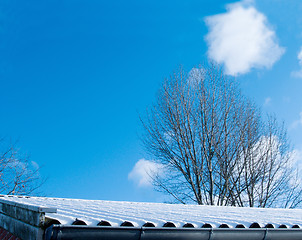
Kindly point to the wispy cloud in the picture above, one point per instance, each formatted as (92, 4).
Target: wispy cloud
(297, 156)
(195, 76)
(143, 171)
(286, 99)
(267, 101)
(298, 73)
(297, 122)
(241, 39)
(35, 165)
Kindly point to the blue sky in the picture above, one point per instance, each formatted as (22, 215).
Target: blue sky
(75, 75)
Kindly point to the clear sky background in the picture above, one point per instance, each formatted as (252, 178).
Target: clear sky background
(75, 75)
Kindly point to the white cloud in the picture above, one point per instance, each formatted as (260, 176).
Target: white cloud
(35, 165)
(15, 163)
(241, 39)
(297, 122)
(298, 74)
(297, 156)
(195, 76)
(143, 171)
(196, 73)
(267, 101)
(286, 99)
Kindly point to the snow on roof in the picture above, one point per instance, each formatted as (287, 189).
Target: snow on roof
(138, 214)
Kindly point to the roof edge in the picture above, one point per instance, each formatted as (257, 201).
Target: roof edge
(29, 207)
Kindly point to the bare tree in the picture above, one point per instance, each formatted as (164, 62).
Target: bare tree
(268, 176)
(214, 145)
(18, 175)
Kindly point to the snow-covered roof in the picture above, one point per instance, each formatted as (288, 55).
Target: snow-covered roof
(139, 214)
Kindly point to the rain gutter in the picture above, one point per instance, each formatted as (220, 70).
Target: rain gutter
(64, 232)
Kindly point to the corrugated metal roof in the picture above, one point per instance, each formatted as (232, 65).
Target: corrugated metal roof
(139, 214)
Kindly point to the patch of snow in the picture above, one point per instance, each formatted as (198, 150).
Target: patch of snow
(138, 213)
